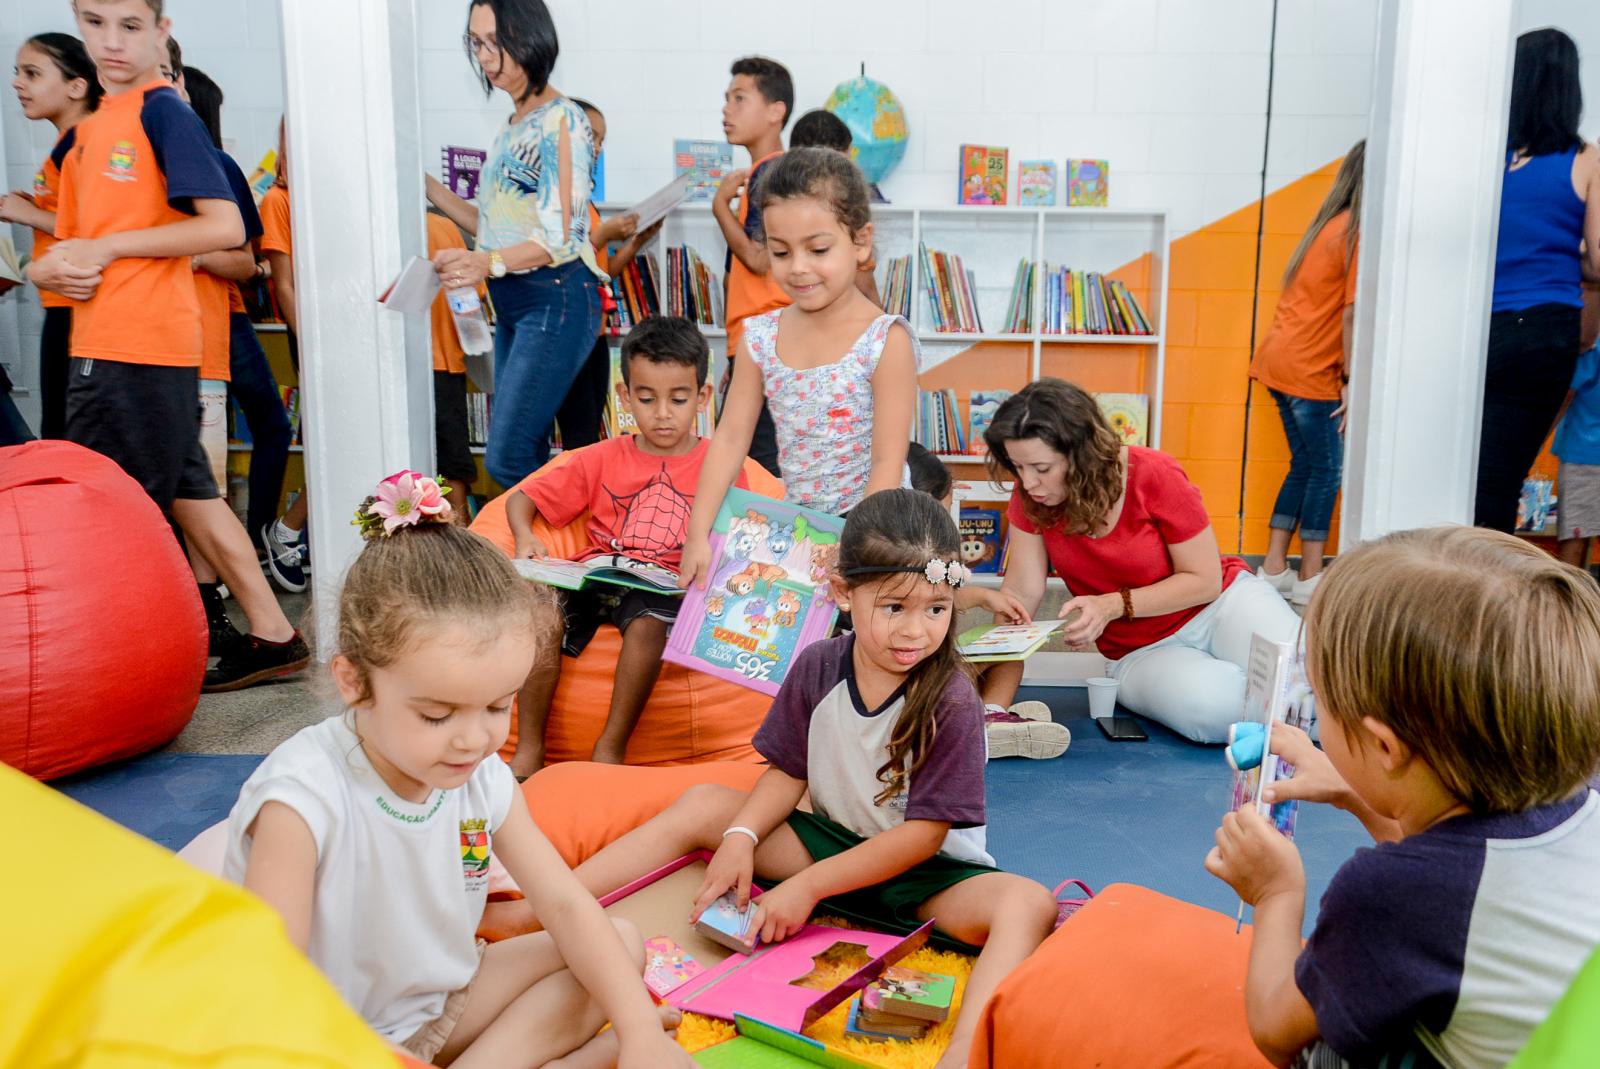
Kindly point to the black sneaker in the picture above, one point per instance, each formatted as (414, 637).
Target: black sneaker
(254, 660)
(223, 635)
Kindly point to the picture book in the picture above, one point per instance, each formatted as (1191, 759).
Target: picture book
(1036, 183)
(612, 568)
(724, 922)
(655, 207)
(924, 996)
(1536, 504)
(766, 597)
(619, 418)
(983, 175)
(863, 1025)
(980, 539)
(705, 162)
(764, 1046)
(667, 966)
(980, 412)
(1088, 183)
(461, 168)
(1276, 692)
(1128, 414)
(1005, 642)
(265, 175)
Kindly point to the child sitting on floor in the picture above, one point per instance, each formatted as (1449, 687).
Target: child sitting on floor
(638, 491)
(885, 732)
(1455, 672)
(372, 832)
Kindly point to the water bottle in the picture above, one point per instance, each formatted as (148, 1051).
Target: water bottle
(472, 325)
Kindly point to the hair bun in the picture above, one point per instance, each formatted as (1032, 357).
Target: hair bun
(405, 499)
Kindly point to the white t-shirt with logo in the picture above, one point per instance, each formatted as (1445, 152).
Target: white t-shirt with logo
(400, 887)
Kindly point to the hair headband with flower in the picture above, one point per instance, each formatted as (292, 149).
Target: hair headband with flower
(404, 499)
(936, 571)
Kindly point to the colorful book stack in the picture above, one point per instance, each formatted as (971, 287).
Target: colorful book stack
(477, 418)
(903, 1004)
(636, 293)
(952, 293)
(897, 286)
(1019, 311)
(693, 289)
(939, 427)
(1086, 302)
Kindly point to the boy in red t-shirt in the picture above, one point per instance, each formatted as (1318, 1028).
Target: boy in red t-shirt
(141, 194)
(637, 491)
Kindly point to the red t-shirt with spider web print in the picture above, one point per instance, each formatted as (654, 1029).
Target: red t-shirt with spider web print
(638, 503)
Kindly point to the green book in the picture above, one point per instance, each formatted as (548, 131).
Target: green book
(989, 643)
(614, 569)
(902, 992)
(764, 1046)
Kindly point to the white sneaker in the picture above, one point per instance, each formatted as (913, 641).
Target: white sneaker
(1010, 735)
(1283, 582)
(1302, 590)
(1031, 710)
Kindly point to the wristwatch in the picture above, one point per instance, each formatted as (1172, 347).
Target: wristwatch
(497, 266)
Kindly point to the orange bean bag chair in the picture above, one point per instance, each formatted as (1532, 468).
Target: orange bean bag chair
(1152, 981)
(84, 677)
(690, 717)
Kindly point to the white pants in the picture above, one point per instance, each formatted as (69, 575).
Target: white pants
(1193, 680)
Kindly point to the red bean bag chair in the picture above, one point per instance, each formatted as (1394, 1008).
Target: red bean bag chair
(102, 637)
(690, 717)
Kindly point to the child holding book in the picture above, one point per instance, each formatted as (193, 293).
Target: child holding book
(637, 491)
(755, 109)
(372, 833)
(141, 194)
(884, 731)
(843, 393)
(55, 82)
(1460, 722)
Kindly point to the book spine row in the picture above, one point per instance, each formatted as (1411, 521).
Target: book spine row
(636, 293)
(693, 289)
(952, 293)
(1019, 314)
(939, 426)
(478, 418)
(897, 286)
(1086, 302)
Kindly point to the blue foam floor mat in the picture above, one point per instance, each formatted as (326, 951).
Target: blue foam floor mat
(1104, 812)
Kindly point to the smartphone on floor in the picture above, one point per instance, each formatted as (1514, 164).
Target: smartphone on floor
(1122, 729)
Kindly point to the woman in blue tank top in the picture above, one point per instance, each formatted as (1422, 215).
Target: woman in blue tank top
(1549, 205)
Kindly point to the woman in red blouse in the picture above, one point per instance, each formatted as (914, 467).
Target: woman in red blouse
(1128, 532)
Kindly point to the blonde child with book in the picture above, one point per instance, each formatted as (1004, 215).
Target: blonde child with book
(839, 376)
(1454, 670)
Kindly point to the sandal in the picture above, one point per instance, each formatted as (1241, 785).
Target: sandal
(1066, 907)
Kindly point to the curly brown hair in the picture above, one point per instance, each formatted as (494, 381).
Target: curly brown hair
(1066, 418)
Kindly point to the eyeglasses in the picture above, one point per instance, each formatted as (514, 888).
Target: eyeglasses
(475, 44)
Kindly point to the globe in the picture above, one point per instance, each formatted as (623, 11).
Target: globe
(877, 124)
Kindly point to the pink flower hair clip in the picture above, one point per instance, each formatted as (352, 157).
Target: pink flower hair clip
(404, 499)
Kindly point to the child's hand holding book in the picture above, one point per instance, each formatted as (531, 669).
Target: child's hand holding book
(695, 565)
(1255, 859)
(529, 547)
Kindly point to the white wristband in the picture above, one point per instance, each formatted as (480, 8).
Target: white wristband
(755, 839)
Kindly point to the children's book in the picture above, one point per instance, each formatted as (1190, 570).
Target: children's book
(461, 169)
(724, 922)
(1088, 183)
(1036, 183)
(863, 1025)
(619, 418)
(705, 162)
(983, 175)
(764, 1046)
(1275, 692)
(667, 966)
(413, 290)
(766, 597)
(1536, 504)
(265, 174)
(980, 539)
(655, 207)
(1005, 642)
(982, 406)
(1128, 414)
(904, 992)
(613, 568)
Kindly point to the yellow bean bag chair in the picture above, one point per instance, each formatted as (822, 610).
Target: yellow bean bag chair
(690, 717)
(124, 956)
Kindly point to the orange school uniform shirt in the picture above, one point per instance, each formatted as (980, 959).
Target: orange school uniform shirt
(1303, 352)
(750, 294)
(140, 161)
(47, 198)
(276, 233)
(602, 255)
(217, 295)
(447, 352)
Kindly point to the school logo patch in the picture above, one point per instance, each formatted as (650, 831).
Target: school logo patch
(41, 188)
(475, 853)
(121, 162)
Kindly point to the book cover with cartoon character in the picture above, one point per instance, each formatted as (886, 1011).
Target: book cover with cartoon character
(766, 598)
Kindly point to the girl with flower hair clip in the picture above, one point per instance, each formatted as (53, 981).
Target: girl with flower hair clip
(884, 729)
(372, 833)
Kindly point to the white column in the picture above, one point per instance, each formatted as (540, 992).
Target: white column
(356, 187)
(1429, 219)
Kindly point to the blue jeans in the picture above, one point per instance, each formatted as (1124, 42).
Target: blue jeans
(256, 392)
(1316, 461)
(547, 322)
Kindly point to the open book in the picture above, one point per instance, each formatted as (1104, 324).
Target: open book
(613, 568)
(655, 207)
(1005, 642)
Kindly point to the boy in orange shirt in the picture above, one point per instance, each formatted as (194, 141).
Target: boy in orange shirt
(141, 194)
(755, 110)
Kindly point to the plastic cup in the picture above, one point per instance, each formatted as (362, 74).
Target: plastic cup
(1102, 696)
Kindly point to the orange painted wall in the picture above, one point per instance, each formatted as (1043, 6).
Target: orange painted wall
(1204, 411)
